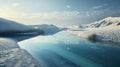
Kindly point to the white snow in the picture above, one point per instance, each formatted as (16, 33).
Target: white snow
(7, 44)
(13, 56)
(110, 21)
(103, 30)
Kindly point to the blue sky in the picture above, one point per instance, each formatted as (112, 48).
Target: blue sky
(58, 12)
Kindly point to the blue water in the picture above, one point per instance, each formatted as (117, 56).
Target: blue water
(65, 50)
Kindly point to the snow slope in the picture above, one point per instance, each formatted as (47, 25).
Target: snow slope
(107, 29)
(7, 44)
(13, 56)
(8, 25)
(114, 21)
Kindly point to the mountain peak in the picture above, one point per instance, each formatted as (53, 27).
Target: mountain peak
(112, 19)
(105, 22)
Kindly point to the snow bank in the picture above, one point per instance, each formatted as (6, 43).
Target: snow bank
(107, 29)
(110, 33)
(7, 44)
(85, 35)
(12, 56)
(102, 34)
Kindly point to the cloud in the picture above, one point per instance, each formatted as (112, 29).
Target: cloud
(68, 6)
(99, 6)
(56, 17)
(95, 15)
(66, 15)
(15, 4)
(42, 17)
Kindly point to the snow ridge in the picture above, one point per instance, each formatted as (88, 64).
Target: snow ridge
(8, 25)
(110, 21)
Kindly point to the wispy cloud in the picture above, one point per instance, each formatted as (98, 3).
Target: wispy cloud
(15, 4)
(42, 17)
(68, 6)
(99, 6)
(56, 15)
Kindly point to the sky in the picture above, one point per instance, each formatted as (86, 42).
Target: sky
(58, 12)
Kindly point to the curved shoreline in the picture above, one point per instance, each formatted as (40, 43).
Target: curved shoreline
(11, 55)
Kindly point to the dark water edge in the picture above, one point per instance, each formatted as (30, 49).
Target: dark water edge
(19, 37)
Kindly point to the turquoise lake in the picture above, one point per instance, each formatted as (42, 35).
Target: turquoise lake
(65, 50)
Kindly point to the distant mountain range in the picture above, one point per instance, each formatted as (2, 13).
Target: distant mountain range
(110, 21)
(8, 27)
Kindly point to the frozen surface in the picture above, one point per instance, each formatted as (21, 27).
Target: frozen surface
(13, 56)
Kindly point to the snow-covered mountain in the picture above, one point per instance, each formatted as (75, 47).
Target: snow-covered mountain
(110, 21)
(107, 29)
(8, 25)
(8, 28)
(48, 29)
